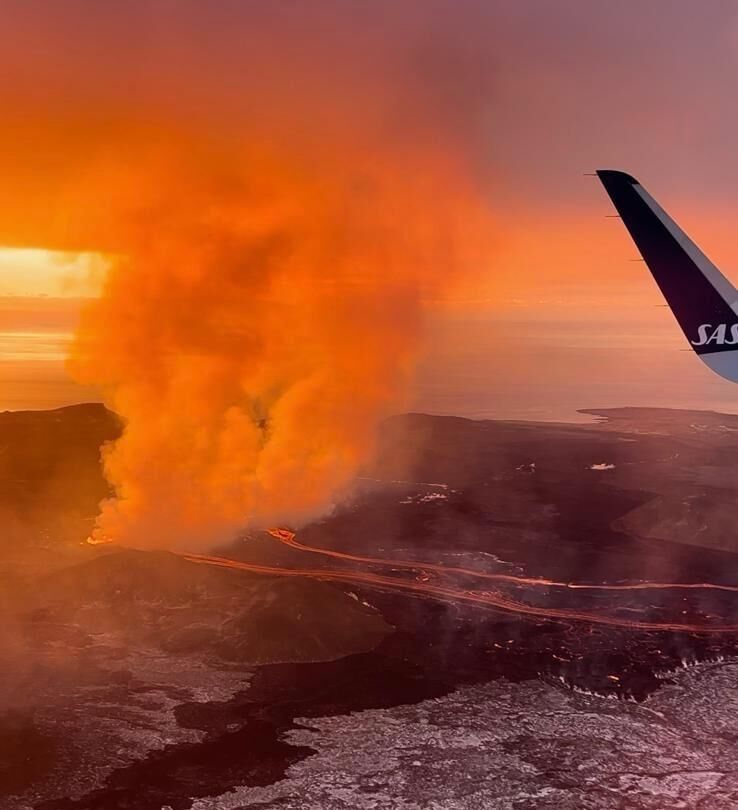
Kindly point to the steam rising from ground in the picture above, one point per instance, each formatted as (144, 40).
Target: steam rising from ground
(264, 307)
(257, 325)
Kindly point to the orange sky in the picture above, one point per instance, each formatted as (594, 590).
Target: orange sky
(529, 96)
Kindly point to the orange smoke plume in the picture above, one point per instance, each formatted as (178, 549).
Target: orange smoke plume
(259, 320)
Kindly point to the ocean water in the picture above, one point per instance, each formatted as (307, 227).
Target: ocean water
(490, 368)
(33, 374)
(482, 367)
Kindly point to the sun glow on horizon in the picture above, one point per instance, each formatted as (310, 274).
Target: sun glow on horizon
(39, 272)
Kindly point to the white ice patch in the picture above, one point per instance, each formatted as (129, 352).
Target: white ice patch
(602, 466)
(426, 498)
(528, 468)
(714, 428)
(403, 483)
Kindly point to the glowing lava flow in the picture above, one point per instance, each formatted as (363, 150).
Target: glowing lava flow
(289, 538)
(487, 599)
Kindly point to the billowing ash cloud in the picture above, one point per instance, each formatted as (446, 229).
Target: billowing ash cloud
(262, 311)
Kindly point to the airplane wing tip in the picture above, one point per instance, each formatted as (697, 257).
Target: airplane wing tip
(616, 176)
(703, 301)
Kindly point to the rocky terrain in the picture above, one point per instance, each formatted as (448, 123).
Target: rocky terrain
(529, 746)
(50, 479)
(143, 680)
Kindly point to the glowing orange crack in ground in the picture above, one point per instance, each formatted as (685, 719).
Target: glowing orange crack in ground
(288, 538)
(493, 600)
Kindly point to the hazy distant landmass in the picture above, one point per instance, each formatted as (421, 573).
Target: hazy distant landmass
(500, 364)
(141, 679)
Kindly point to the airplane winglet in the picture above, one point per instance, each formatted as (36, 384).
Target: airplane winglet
(703, 301)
